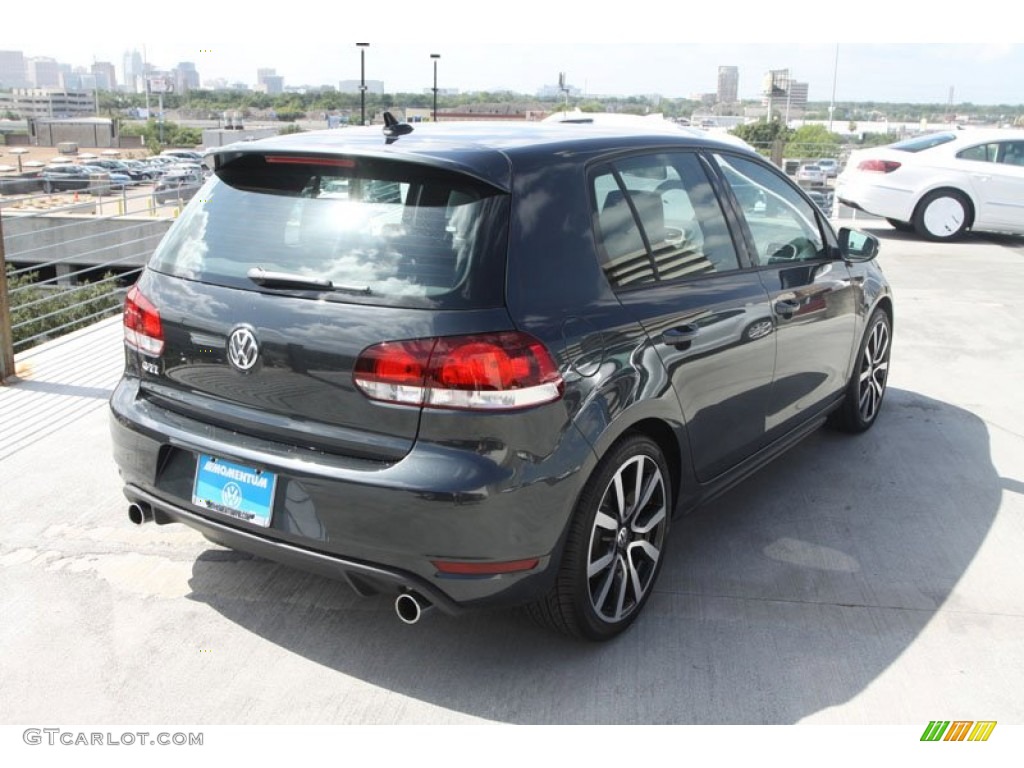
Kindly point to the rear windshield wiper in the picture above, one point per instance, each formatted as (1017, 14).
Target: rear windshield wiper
(268, 279)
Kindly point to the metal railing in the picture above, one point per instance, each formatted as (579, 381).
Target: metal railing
(67, 258)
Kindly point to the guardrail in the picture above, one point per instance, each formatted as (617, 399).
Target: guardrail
(67, 258)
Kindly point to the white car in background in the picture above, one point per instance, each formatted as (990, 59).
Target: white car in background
(941, 184)
(645, 122)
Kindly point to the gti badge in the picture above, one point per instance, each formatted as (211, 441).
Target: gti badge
(243, 350)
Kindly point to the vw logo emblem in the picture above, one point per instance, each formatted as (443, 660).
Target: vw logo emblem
(231, 496)
(243, 350)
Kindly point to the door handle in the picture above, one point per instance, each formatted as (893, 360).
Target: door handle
(981, 176)
(680, 335)
(787, 306)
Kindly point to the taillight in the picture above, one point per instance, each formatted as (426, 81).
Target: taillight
(142, 328)
(878, 166)
(489, 371)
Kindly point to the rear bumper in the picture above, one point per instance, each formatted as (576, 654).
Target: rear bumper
(365, 579)
(876, 198)
(380, 526)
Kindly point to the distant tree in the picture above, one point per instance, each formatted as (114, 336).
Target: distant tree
(293, 128)
(813, 141)
(763, 134)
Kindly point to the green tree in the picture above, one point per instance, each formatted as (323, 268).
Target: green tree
(292, 128)
(762, 135)
(813, 141)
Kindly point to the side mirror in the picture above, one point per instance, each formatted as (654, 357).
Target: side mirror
(855, 245)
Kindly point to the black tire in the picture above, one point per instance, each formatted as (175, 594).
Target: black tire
(901, 226)
(612, 555)
(942, 215)
(866, 388)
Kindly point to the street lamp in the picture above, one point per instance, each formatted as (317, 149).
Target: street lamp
(435, 57)
(362, 81)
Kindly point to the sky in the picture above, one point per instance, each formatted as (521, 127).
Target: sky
(885, 53)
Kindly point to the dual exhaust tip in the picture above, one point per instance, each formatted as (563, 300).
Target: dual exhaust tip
(409, 606)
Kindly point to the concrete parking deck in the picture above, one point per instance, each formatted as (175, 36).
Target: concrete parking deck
(872, 579)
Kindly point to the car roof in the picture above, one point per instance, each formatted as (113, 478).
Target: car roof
(485, 150)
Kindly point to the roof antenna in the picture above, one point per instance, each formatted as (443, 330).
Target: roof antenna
(393, 129)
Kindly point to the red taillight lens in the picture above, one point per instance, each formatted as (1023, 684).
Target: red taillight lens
(463, 568)
(491, 371)
(142, 328)
(878, 166)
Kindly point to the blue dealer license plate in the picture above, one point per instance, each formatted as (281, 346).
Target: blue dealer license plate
(233, 489)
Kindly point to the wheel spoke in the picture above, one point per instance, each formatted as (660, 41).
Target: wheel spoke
(605, 588)
(623, 584)
(655, 519)
(648, 549)
(634, 577)
(600, 564)
(652, 484)
(606, 521)
(620, 497)
(638, 481)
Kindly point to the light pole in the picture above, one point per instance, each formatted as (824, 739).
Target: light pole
(435, 57)
(362, 81)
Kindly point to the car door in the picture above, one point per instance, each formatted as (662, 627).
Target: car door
(1004, 190)
(668, 253)
(811, 293)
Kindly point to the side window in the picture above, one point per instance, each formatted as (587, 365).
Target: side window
(783, 225)
(657, 219)
(983, 153)
(1012, 152)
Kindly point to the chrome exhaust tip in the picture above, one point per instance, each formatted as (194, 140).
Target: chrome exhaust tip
(410, 607)
(140, 513)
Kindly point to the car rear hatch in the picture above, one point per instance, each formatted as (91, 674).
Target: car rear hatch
(288, 266)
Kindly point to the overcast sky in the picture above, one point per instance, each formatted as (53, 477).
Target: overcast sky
(907, 58)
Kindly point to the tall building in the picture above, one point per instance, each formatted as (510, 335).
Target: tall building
(268, 81)
(44, 72)
(784, 96)
(186, 78)
(12, 70)
(134, 73)
(728, 85)
(106, 77)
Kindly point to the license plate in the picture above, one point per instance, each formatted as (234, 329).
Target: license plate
(233, 489)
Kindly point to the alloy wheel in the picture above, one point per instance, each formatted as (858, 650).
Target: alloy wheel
(627, 538)
(874, 369)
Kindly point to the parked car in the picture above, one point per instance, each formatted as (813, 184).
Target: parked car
(26, 183)
(821, 199)
(115, 179)
(178, 185)
(941, 184)
(830, 166)
(65, 178)
(189, 155)
(812, 175)
(477, 363)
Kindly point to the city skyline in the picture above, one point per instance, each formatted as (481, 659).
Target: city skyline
(524, 57)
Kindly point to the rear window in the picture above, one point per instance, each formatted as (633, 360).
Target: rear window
(920, 143)
(356, 229)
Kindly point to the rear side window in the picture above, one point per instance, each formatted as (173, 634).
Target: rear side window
(919, 143)
(657, 219)
(357, 229)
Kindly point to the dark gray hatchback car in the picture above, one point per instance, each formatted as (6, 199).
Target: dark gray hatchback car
(477, 363)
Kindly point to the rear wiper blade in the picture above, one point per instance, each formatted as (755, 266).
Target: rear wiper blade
(269, 279)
